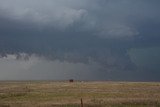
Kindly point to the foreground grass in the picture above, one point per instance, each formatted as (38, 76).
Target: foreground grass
(94, 94)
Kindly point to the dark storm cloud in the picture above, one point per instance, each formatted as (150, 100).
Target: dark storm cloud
(98, 35)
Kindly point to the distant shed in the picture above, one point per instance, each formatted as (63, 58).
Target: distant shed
(71, 80)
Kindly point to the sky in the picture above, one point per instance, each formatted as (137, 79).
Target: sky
(115, 40)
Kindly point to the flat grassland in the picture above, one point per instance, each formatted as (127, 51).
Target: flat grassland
(65, 94)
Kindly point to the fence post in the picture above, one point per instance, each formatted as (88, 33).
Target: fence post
(81, 102)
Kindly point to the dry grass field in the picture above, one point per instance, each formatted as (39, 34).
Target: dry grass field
(65, 94)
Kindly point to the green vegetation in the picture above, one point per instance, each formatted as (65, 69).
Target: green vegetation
(65, 94)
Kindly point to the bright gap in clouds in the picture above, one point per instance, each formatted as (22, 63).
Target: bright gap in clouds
(34, 67)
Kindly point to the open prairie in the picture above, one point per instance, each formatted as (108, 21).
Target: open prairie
(65, 94)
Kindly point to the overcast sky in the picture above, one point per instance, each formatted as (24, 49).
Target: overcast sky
(80, 39)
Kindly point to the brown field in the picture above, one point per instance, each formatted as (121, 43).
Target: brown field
(65, 94)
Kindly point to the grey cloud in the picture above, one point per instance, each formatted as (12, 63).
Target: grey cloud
(109, 18)
(53, 13)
